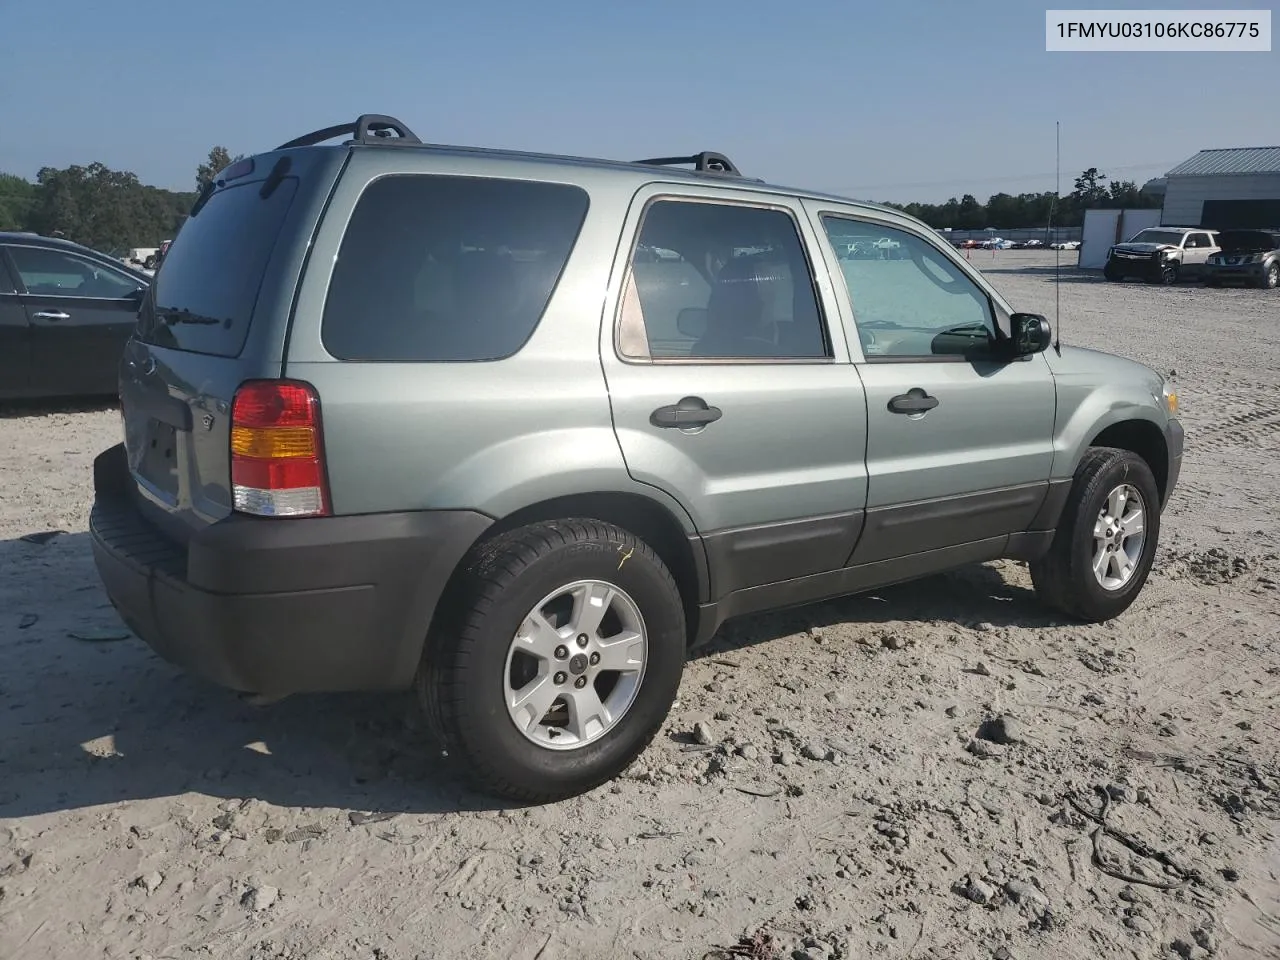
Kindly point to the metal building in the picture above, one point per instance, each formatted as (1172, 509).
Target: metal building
(1235, 187)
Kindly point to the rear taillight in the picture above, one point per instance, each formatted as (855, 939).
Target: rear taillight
(277, 458)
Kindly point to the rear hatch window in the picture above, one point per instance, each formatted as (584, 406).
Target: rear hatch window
(203, 296)
(445, 268)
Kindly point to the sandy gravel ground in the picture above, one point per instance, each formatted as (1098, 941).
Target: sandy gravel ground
(852, 798)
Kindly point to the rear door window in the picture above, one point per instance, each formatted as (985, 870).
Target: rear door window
(202, 298)
(444, 268)
(55, 273)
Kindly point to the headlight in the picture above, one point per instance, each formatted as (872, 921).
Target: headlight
(1169, 394)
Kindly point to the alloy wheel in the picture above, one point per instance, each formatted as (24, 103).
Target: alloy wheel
(576, 664)
(1119, 535)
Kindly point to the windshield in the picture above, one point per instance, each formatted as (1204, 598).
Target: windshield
(1171, 237)
(1250, 240)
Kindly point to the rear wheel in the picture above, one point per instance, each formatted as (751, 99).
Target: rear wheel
(1106, 539)
(559, 661)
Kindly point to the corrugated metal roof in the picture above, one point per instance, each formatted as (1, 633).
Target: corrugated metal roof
(1229, 160)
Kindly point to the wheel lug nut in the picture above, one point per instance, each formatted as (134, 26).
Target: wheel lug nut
(580, 682)
(562, 652)
(560, 678)
(582, 639)
(595, 658)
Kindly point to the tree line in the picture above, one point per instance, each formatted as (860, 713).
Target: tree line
(110, 210)
(1005, 211)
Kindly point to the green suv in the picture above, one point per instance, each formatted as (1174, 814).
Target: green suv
(517, 430)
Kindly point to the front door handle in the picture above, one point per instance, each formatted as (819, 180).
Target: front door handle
(689, 412)
(914, 400)
(52, 315)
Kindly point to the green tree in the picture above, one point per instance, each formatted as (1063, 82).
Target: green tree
(1127, 195)
(17, 198)
(219, 159)
(107, 209)
(1089, 189)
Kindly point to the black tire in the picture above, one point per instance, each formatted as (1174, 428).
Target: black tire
(461, 679)
(1169, 273)
(1064, 578)
(1271, 280)
(1110, 273)
(1211, 282)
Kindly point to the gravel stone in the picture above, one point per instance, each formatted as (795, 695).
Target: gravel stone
(150, 882)
(261, 898)
(1003, 730)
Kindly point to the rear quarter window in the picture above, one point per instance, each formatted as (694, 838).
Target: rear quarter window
(445, 268)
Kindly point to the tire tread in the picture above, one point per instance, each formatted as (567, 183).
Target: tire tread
(1054, 574)
(485, 578)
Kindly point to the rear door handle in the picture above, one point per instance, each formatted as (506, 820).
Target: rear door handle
(914, 400)
(52, 315)
(689, 412)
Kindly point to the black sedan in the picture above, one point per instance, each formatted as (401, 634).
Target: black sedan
(65, 314)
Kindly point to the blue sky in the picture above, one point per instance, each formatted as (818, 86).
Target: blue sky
(894, 100)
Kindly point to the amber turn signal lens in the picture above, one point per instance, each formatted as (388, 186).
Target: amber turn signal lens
(272, 443)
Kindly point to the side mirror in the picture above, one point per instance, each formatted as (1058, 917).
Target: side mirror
(1030, 333)
(692, 322)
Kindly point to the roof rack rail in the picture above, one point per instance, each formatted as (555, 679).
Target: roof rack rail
(704, 162)
(367, 128)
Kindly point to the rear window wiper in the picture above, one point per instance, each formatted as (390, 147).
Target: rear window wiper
(171, 317)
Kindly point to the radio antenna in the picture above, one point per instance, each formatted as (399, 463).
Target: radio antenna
(1057, 250)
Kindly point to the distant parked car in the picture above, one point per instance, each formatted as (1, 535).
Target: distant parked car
(1251, 256)
(1161, 254)
(1065, 245)
(66, 312)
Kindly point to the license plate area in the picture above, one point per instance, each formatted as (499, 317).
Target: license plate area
(153, 454)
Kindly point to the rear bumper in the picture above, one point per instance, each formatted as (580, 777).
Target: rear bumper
(279, 606)
(1175, 439)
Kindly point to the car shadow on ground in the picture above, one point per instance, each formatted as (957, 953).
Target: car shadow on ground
(972, 595)
(1067, 273)
(18, 409)
(90, 716)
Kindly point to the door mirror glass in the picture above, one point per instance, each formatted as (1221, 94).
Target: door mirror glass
(692, 322)
(1029, 333)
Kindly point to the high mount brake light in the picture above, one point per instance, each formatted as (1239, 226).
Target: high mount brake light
(277, 453)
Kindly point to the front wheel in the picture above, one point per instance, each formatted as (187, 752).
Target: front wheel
(1169, 271)
(1271, 279)
(1112, 274)
(558, 660)
(1106, 539)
